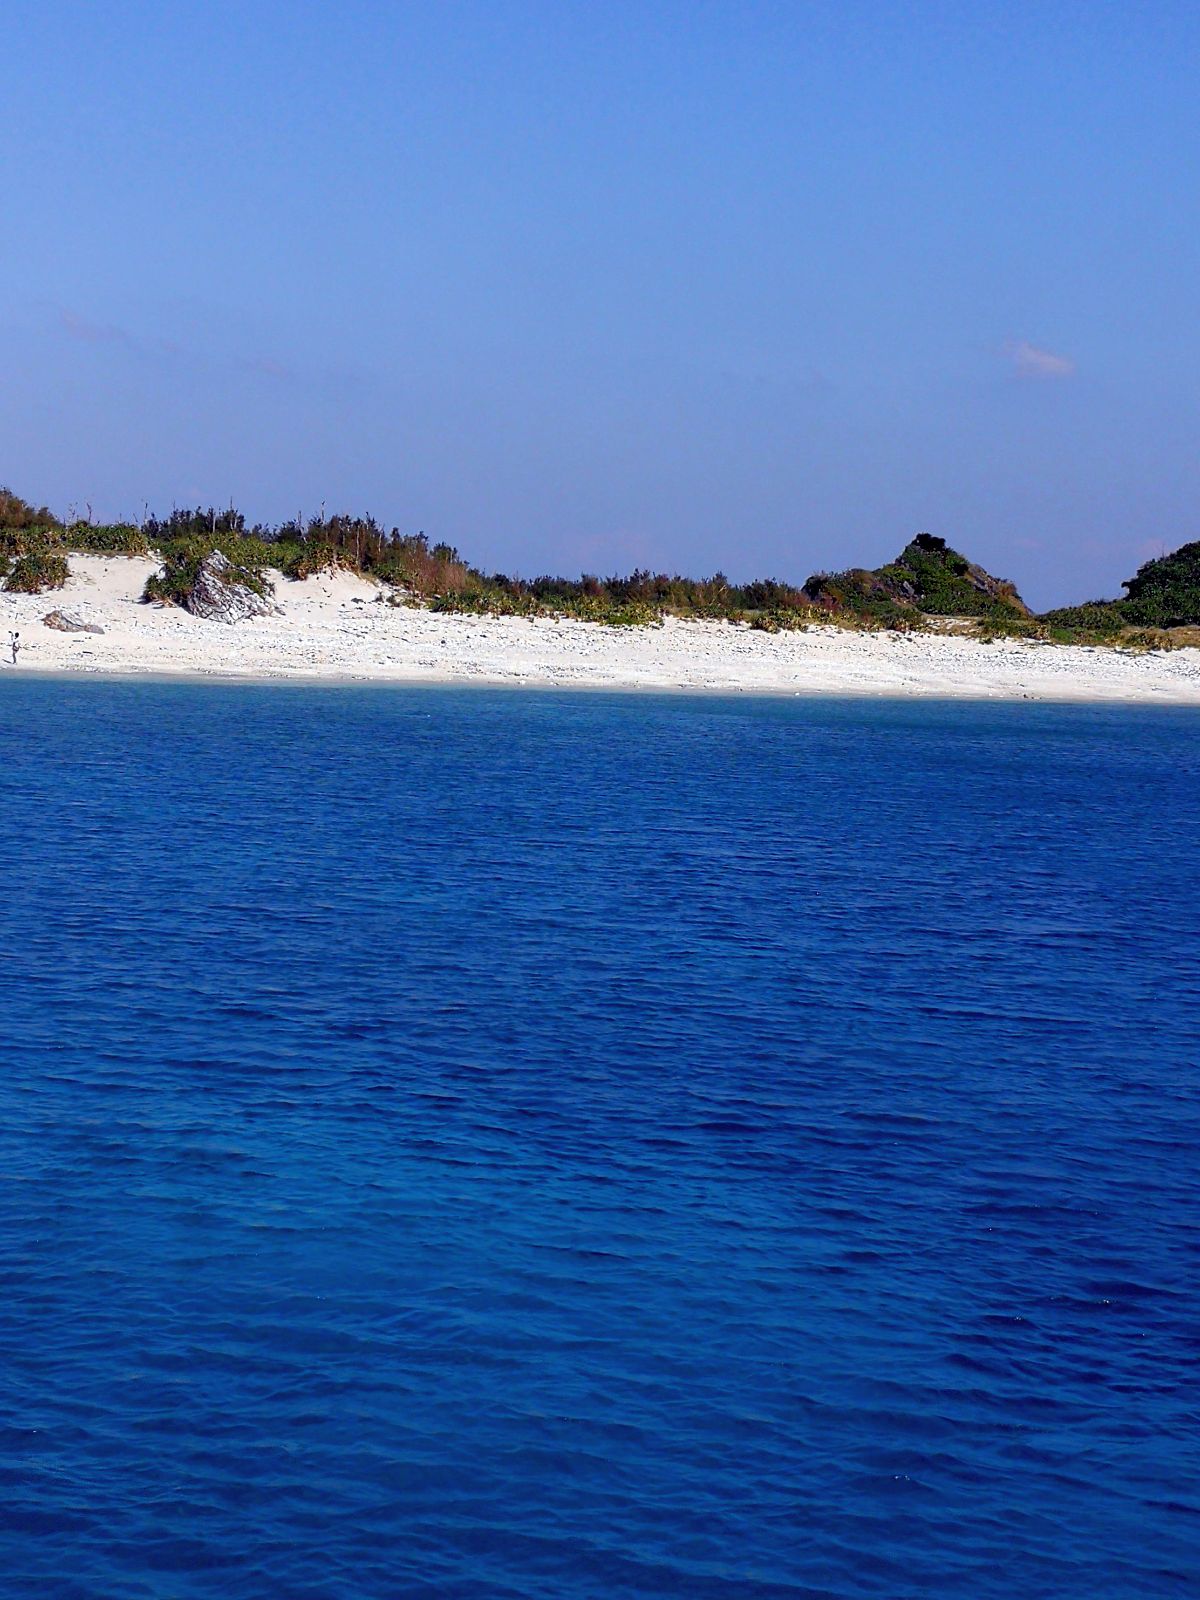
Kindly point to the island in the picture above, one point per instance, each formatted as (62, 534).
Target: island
(201, 592)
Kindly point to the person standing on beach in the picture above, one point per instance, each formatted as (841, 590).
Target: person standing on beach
(14, 640)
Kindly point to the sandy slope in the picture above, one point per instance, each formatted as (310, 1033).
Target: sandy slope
(336, 626)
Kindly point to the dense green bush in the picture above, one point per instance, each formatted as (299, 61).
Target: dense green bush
(613, 613)
(297, 561)
(22, 538)
(1098, 618)
(28, 541)
(782, 619)
(996, 626)
(1165, 593)
(34, 572)
(199, 524)
(895, 618)
(114, 538)
(491, 601)
(494, 600)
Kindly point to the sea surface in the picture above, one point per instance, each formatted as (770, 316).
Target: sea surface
(494, 1143)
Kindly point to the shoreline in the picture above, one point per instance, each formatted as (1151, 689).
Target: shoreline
(334, 629)
(1080, 695)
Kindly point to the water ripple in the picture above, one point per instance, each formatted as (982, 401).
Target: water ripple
(494, 1144)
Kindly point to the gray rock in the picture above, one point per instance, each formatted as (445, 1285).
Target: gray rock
(70, 622)
(218, 595)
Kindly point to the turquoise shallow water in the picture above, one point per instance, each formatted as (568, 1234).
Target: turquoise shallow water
(504, 1144)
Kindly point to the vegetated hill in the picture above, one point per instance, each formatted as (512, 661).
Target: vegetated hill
(1165, 593)
(927, 576)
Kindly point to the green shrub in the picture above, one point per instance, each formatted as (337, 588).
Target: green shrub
(613, 614)
(108, 539)
(491, 600)
(999, 626)
(35, 572)
(487, 602)
(1149, 639)
(1099, 619)
(298, 561)
(782, 619)
(893, 618)
(29, 541)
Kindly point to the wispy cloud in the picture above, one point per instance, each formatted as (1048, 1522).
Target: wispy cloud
(82, 330)
(265, 366)
(79, 328)
(1030, 361)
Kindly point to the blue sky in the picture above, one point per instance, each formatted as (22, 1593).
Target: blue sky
(755, 286)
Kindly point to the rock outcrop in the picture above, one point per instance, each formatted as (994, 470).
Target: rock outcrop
(219, 593)
(70, 622)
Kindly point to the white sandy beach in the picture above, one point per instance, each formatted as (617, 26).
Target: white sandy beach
(337, 626)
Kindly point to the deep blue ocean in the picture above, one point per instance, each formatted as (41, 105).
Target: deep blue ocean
(494, 1144)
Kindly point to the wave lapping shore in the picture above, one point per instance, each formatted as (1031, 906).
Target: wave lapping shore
(337, 625)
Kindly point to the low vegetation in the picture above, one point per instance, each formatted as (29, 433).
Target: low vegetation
(35, 572)
(1102, 619)
(927, 582)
